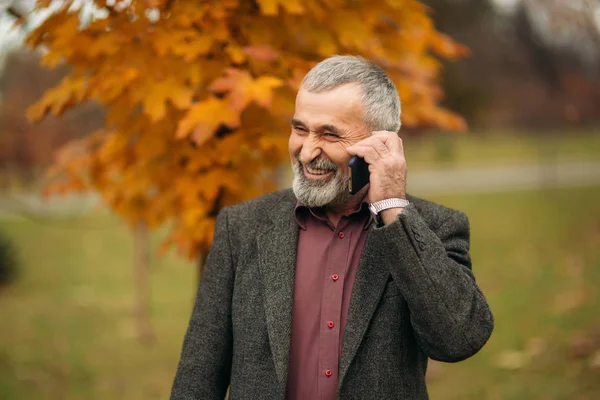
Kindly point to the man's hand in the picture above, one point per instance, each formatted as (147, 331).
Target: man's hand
(384, 153)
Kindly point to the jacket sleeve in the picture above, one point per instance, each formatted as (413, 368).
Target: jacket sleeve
(449, 313)
(205, 365)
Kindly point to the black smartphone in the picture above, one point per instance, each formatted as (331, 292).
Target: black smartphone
(359, 174)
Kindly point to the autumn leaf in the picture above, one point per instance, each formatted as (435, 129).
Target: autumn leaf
(271, 7)
(68, 92)
(204, 117)
(243, 89)
(261, 52)
(158, 93)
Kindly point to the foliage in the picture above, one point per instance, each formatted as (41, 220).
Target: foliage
(199, 94)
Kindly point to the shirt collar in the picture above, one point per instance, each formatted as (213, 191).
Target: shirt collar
(302, 212)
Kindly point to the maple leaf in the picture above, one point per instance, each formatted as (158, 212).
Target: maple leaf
(261, 52)
(69, 91)
(271, 7)
(158, 93)
(204, 118)
(243, 89)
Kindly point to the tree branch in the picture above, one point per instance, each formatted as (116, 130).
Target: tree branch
(14, 12)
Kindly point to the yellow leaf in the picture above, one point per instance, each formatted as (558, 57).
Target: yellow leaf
(243, 89)
(271, 7)
(158, 93)
(69, 91)
(205, 117)
(261, 52)
(236, 53)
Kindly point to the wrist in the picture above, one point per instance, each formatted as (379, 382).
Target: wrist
(390, 215)
(387, 210)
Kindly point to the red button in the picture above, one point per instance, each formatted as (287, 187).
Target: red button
(341, 235)
(330, 324)
(328, 373)
(335, 277)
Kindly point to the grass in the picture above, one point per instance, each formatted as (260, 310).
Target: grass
(67, 328)
(537, 257)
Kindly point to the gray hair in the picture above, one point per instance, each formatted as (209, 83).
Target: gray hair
(379, 95)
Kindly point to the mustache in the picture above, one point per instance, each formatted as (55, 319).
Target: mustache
(318, 163)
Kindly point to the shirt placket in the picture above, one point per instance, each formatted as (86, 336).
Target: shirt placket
(331, 310)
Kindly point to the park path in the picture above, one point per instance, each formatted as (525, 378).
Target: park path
(489, 179)
(505, 178)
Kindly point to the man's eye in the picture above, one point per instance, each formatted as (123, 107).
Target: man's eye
(333, 135)
(299, 128)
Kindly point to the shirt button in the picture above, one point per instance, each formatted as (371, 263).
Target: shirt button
(341, 235)
(328, 373)
(330, 324)
(335, 277)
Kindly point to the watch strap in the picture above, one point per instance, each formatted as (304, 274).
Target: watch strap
(381, 205)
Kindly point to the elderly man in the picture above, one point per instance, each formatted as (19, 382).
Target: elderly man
(313, 293)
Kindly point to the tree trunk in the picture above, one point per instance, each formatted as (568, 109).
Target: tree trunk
(141, 282)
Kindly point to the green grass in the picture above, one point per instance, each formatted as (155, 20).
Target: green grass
(67, 329)
(537, 257)
(499, 148)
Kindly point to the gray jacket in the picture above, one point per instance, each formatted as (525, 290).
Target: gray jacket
(414, 298)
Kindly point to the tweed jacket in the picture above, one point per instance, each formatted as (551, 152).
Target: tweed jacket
(414, 298)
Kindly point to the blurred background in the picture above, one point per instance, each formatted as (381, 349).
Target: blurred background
(526, 172)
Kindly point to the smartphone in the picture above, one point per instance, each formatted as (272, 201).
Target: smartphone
(359, 174)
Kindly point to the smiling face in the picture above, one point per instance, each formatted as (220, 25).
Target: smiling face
(324, 125)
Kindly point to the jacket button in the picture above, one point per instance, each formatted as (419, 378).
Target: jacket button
(328, 373)
(335, 277)
(330, 324)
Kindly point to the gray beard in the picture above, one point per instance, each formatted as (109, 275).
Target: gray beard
(332, 192)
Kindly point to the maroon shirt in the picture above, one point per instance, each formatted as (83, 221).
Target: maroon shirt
(326, 265)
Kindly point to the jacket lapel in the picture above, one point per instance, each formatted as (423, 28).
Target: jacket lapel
(371, 278)
(277, 247)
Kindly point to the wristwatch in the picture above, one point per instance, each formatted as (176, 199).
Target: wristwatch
(381, 205)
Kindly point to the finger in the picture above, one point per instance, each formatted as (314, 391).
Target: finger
(382, 133)
(366, 152)
(376, 143)
(392, 141)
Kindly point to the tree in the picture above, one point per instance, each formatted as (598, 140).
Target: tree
(199, 94)
(222, 74)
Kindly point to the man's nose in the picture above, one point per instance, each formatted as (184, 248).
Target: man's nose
(310, 151)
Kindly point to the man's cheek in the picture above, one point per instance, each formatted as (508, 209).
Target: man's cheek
(294, 149)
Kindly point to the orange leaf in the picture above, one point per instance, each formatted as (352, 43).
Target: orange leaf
(204, 118)
(158, 93)
(261, 52)
(271, 7)
(69, 91)
(243, 88)
(236, 54)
